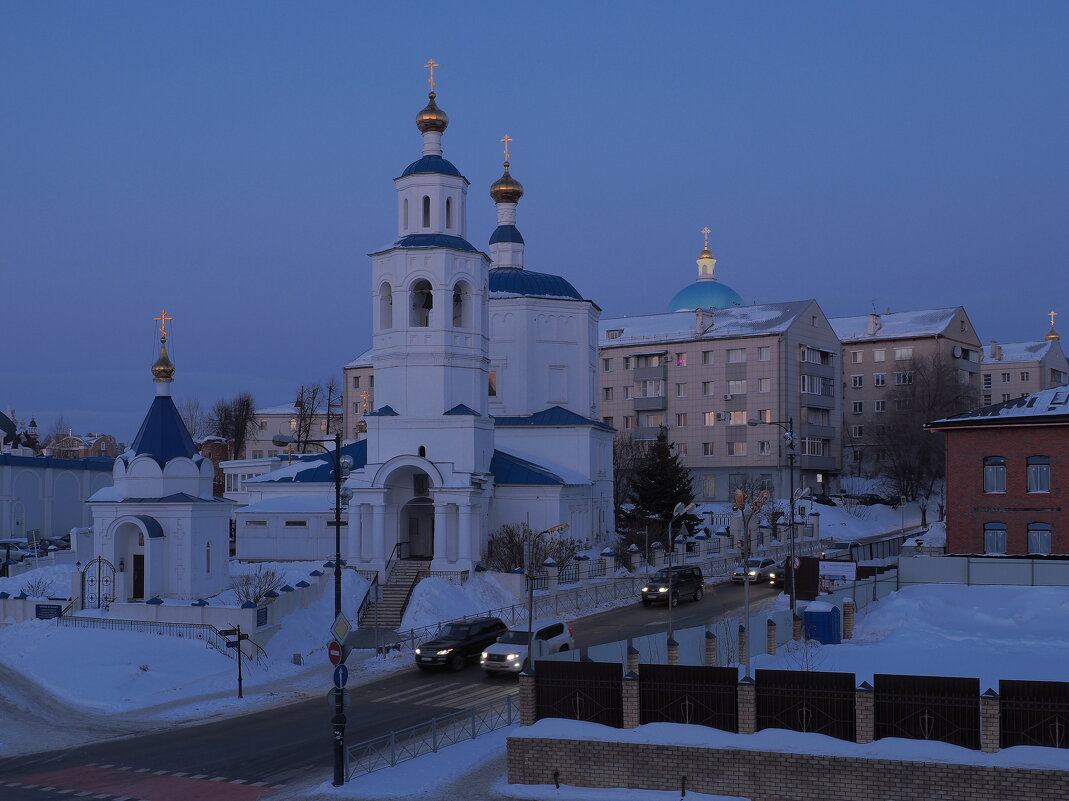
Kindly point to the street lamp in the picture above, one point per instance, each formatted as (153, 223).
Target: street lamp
(679, 511)
(529, 561)
(342, 466)
(792, 454)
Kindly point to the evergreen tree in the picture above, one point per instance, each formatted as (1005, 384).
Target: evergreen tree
(659, 482)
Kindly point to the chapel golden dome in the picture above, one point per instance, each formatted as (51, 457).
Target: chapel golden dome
(432, 118)
(163, 368)
(506, 189)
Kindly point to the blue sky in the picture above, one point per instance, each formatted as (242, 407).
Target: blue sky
(232, 162)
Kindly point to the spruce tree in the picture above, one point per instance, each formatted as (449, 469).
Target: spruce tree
(660, 482)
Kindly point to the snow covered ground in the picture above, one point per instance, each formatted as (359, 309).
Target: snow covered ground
(436, 599)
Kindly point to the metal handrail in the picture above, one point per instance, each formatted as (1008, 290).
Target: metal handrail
(70, 606)
(369, 596)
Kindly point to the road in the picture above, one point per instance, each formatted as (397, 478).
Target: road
(250, 757)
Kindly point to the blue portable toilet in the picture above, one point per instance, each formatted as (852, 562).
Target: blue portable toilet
(823, 623)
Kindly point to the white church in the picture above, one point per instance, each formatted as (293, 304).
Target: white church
(486, 397)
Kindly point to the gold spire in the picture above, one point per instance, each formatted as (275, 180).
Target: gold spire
(1052, 334)
(163, 367)
(432, 118)
(506, 189)
(706, 253)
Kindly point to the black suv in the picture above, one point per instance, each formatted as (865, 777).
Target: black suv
(458, 642)
(686, 582)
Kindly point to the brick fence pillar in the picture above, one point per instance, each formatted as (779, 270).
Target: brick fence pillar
(630, 699)
(990, 722)
(770, 638)
(710, 649)
(849, 610)
(863, 717)
(632, 659)
(528, 710)
(747, 709)
(673, 651)
(796, 628)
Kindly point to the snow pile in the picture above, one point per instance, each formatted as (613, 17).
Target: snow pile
(54, 579)
(436, 600)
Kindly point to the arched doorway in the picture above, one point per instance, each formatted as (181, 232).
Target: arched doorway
(130, 553)
(417, 527)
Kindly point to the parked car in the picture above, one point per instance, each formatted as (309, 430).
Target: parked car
(755, 570)
(777, 575)
(824, 499)
(15, 550)
(458, 642)
(507, 655)
(686, 581)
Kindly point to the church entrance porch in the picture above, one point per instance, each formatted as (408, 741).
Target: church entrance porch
(417, 534)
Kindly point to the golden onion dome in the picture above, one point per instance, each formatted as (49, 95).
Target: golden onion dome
(506, 189)
(1052, 335)
(432, 118)
(163, 368)
(706, 253)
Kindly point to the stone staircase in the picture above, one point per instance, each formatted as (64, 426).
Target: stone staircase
(387, 613)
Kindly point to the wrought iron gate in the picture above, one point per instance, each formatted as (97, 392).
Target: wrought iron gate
(1034, 713)
(98, 584)
(804, 701)
(705, 696)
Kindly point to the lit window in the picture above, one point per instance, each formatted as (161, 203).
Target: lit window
(737, 418)
(736, 449)
(710, 418)
(681, 419)
(764, 415)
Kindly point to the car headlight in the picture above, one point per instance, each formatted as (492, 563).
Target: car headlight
(645, 589)
(771, 575)
(445, 651)
(753, 572)
(662, 589)
(512, 657)
(484, 655)
(417, 652)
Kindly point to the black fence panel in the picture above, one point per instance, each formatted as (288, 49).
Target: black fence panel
(580, 691)
(1034, 713)
(941, 708)
(705, 696)
(807, 701)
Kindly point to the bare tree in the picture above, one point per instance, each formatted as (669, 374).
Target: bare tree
(194, 416)
(59, 429)
(256, 585)
(627, 455)
(912, 459)
(37, 588)
(309, 406)
(233, 420)
(505, 548)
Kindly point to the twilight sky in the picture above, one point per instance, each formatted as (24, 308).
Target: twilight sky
(232, 162)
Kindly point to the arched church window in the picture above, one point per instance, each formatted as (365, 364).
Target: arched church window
(208, 557)
(423, 451)
(404, 214)
(461, 305)
(386, 307)
(426, 212)
(422, 301)
(449, 212)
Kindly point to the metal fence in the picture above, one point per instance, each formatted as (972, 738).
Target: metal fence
(425, 738)
(191, 631)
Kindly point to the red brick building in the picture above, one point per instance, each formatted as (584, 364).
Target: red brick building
(1008, 476)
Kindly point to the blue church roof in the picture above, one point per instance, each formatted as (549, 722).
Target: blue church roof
(435, 241)
(509, 469)
(163, 435)
(553, 416)
(709, 294)
(506, 233)
(515, 281)
(461, 408)
(432, 164)
(322, 472)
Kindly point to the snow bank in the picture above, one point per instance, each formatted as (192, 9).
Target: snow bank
(56, 579)
(435, 600)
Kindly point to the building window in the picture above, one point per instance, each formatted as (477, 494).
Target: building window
(681, 419)
(615, 333)
(426, 212)
(421, 303)
(903, 354)
(709, 486)
(296, 523)
(857, 381)
(737, 418)
(491, 384)
(986, 400)
(648, 360)
(681, 390)
(1005, 378)
(737, 387)
(879, 355)
(856, 356)
(764, 384)
(681, 448)
(764, 353)
(1005, 396)
(449, 212)
(629, 421)
(256, 523)
(857, 431)
(904, 378)
(608, 421)
(1039, 538)
(879, 406)
(810, 384)
(815, 356)
(857, 407)
(811, 446)
(707, 449)
(1038, 474)
(707, 387)
(995, 474)
(736, 355)
(606, 393)
(994, 538)
(858, 456)
(652, 420)
(710, 418)
(627, 362)
(681, 360)
(764, 415)
(257, 454)
(356, 382)
(263, 424)
(627, 393)
(649, 388)
(1024, 375)
(764, 447)
(987, 380)
(606, 365)
(879, 379)
(903, 404)
(461, 305)
(404, 214)
(737, 449)
(207, 557)
(707, 357)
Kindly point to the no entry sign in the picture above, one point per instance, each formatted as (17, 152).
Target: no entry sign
(334, 652)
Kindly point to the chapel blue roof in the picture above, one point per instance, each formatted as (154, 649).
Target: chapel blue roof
(506, 233)
(462, 409)
(163, 435)
(435, 241)
(512, 470)
(516, 281)
(708, 294)
(553, 416)
(432, 164)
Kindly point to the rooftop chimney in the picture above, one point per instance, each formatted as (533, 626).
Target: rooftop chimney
(996, 351)
(874, 324)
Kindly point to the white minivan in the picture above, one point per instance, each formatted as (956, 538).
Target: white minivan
(509, 652)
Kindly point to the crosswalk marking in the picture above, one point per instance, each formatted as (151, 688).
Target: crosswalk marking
(459, 697)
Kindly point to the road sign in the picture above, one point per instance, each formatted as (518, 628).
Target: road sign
(341, 676)
(341, 627)
(332, 698)
(334, 653)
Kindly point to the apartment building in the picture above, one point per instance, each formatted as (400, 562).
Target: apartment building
(359, 395)
(705, 373)
(1021, 368)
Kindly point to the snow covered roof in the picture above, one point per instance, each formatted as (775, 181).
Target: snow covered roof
(683, 326)
(1045, 406)
(553, 416)
(363, 360)
(894, 325)
(558, 473)
(287, 408)
(1018, 351)
(313, 467)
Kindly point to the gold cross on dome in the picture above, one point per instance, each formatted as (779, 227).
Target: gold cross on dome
(1052, 315)
(706, 231)
(163, 318)
(431, 65)
(506, 140)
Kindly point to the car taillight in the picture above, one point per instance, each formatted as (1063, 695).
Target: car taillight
(571, 633)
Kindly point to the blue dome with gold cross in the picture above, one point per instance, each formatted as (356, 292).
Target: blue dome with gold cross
(706, 292)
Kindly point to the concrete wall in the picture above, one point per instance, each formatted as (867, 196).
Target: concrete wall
(983, 570)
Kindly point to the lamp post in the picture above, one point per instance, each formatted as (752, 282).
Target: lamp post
(679, 511)
(342, 465)
(529, 561)
(792, 454)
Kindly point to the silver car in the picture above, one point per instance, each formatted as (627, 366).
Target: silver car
(756, 569)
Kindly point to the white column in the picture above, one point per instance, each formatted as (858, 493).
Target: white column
(378, 531)
(440, 530)
(354, 540)
(464, 534)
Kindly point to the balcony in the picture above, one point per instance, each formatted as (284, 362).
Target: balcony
(650, 373)
(651, 404)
